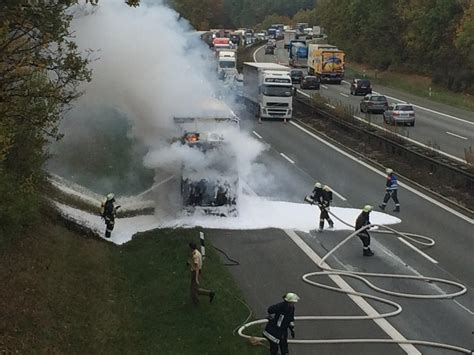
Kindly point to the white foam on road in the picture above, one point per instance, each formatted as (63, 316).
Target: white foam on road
(255, 213)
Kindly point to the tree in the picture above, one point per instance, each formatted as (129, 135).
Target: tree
(40, 73)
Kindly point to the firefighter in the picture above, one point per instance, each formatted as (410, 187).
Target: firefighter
(109, 211)
(363, 220)
(324, 202)
(391, 188)
(281, 317)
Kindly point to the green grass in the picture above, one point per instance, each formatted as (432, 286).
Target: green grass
(413, 84)
(63, 293)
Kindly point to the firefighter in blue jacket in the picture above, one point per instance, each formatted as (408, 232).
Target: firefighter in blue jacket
(391, 188)
(281, 317)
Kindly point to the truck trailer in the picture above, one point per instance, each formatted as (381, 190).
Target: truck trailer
(210, 181)
(298, 54)
(268, 88)
(327, 62)
(289, 36)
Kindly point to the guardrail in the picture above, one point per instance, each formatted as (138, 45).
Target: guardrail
(452, 180)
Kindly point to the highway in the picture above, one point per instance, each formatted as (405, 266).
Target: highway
(448, 129)
(272, 264)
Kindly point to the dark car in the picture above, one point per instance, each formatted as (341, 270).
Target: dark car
(373, 103)
(296, 76)
(269, 50)
(360, 86)
(310, 82)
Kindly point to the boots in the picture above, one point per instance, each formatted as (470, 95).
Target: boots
(382, 207)
(368, 252)
(397, 209)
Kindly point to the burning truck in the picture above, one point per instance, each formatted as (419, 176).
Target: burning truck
(210, 183)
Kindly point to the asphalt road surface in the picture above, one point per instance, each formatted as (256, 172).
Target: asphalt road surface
(272, 263)
(446, 128)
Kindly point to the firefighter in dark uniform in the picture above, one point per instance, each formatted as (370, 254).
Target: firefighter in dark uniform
(281, 317)
(391, 189)
(325, 201)
(109, 211)
(363, 220)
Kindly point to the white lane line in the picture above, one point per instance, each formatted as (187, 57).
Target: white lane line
(463, 307)
(324, 86)
(382, 173)
(287, 158)
(345, 95)
(258, 135)
(417, 250)
(413, 141)
(331, 106)
(359, 301)
(456, 135)
(255, 53)
(346, 82)
(303, 93)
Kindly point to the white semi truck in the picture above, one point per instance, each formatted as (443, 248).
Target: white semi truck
(268, 88)
(226, 63)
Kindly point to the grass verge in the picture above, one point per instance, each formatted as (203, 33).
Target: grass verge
(413, 84)
(62, 293)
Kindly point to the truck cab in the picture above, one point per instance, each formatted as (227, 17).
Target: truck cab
(276, 93)
(226, 63)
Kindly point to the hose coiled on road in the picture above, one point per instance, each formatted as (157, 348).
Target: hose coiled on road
(361, 276)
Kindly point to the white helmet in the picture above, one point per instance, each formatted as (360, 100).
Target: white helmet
(318, 185)
(389, 171)
(368, 208)
(291, 297)
(326, 188)
(110, 196)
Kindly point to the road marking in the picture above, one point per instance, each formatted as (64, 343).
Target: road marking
(346, 82)
(255, 53)
(324, 87)
(331, 106)
(303, 93)
(417, 250)
(457, 136)
(412, 140)
(382, 173)
(463, 307)
(339, 195)
(345, 95)
(258, 135)
(287, 158)
(359, 301)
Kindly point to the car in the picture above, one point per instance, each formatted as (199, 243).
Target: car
(269, 50)
(361, 86)
(400, 113)
(296, 76)
(373, 103)
(310, 82)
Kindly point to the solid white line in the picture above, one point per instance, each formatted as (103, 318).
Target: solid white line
(345, 95)
(456, 135)
(255, 53)
(286, 157)
(258, 135)
(417, 250)
(324, 86)
(331, 106)
(359, 301)
(346, 82)
(382, 173)
(413, 141)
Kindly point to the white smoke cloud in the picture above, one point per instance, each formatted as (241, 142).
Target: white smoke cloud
(150, 67)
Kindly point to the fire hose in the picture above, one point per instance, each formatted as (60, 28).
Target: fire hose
(362, 276)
